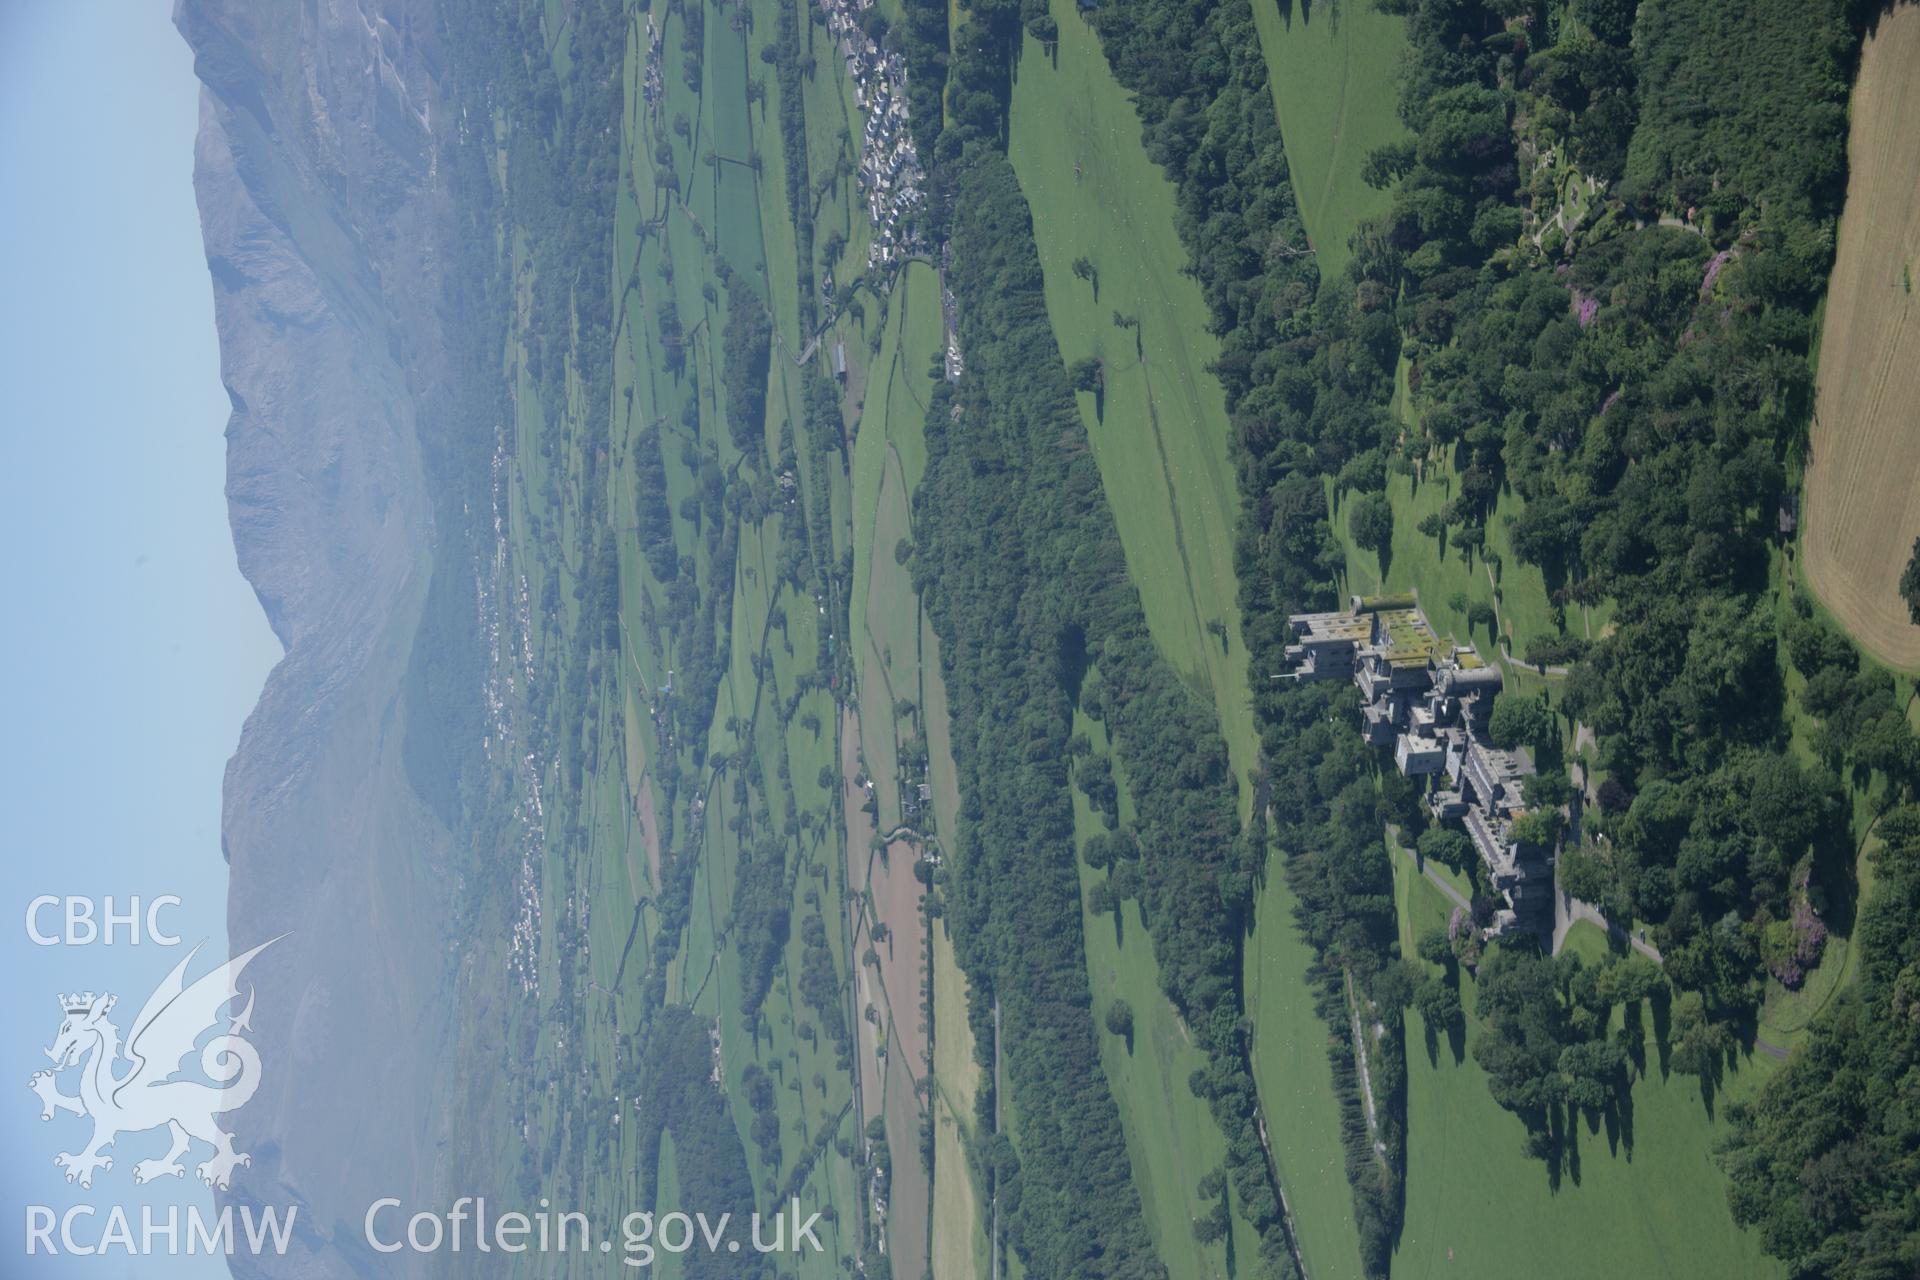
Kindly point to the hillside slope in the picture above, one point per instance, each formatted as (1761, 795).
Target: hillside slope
(313, 183)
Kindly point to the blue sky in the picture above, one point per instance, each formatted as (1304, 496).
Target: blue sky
(132, 648)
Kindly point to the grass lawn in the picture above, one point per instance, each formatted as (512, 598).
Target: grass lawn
(890, 424)
(1295, 1082)
(1420, 563)
(666, 1199)
(1331, 67)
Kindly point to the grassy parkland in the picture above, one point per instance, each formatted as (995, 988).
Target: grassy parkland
(1104, 223)
(1331, 68)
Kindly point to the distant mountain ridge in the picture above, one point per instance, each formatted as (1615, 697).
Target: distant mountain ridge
(316, 183)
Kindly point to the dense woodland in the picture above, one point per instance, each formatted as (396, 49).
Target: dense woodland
(1825, 1164)
(710, 1161)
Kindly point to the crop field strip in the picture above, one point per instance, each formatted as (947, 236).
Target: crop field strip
(1863, 474)
(1161, 437)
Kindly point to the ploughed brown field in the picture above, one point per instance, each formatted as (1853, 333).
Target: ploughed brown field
(1863, 484)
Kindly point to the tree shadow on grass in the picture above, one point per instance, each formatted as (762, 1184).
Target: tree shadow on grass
(1570, 1142)
(1662, 1004)
(1633, 1033)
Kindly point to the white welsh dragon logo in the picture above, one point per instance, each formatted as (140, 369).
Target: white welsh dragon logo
(147, 1095)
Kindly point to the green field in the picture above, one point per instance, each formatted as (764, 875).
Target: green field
(1160, 434)
(888, 456)
(959, 1245)
(628, 773)
(1172, 1137)
(1477, 1203)
(1295, 1081)
(1162, 442)
(1331, 67)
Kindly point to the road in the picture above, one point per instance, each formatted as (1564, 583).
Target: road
(1566, 910)
(1439, 882)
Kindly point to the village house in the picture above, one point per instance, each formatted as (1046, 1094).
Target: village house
(888, 169)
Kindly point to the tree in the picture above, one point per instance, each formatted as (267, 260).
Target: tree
(1630, 980)
(1120, 1019)
(1435, 948)
(1470, 539)
(1100, 899)
(1084, 269)
(1519, 720)
(1548, 790)
(1212, 1225)
(1386, 164)
(1438, 1003)
(1591, 1070)
(1446, 846)
(1586, 873)
(1699, 1043)
(1910, 584)
(1537, 827)
(1372, 524)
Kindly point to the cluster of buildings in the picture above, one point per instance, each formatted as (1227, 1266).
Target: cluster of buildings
(651, 83)
(1430, 701)
(504, 614)
(889, 170)
(914, 797)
